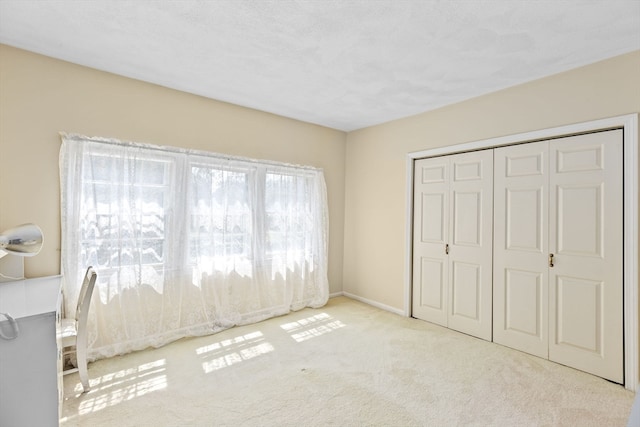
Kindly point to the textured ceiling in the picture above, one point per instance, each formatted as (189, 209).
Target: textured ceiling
(344, 64)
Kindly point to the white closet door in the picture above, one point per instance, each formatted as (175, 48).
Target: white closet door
(471, 243)
(520, 298)
(452, 242)
(586, 292)
(430, 234)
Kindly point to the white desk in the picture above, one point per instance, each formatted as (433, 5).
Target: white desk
(31, 364)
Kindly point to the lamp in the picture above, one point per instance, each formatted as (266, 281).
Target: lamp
(23, 240)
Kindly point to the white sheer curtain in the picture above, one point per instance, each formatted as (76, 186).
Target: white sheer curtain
(186, 242)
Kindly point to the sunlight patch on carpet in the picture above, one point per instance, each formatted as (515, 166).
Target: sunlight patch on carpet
(232, 351)
(122, 385)
(314, 326)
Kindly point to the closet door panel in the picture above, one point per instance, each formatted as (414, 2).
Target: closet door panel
(586, 292)
(431, 230)
(520, 290)
(465, 290)
(471, 243)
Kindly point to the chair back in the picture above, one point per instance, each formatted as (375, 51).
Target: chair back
(86, 290)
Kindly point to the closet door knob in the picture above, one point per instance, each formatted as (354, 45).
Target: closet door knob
(550, 260)
(446, 249)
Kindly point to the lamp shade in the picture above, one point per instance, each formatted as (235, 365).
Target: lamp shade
(23, 240)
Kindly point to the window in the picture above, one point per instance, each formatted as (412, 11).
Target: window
(186, 242)
(123, 215)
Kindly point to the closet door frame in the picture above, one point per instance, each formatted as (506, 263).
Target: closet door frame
(629, 124)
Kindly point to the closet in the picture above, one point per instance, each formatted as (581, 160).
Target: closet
(548, 227)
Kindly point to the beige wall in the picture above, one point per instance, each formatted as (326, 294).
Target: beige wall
(375, 204)
(41, 96)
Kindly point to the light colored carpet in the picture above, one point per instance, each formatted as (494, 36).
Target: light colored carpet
(346, 364)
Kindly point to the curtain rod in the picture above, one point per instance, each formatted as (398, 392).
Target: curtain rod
(179, 150)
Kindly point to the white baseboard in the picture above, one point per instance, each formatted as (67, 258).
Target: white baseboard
(336, 294)
(375, 304)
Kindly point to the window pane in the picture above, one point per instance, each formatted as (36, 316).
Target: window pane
(221, 218)
(287, 213)
(98, 168)
(123, 206)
